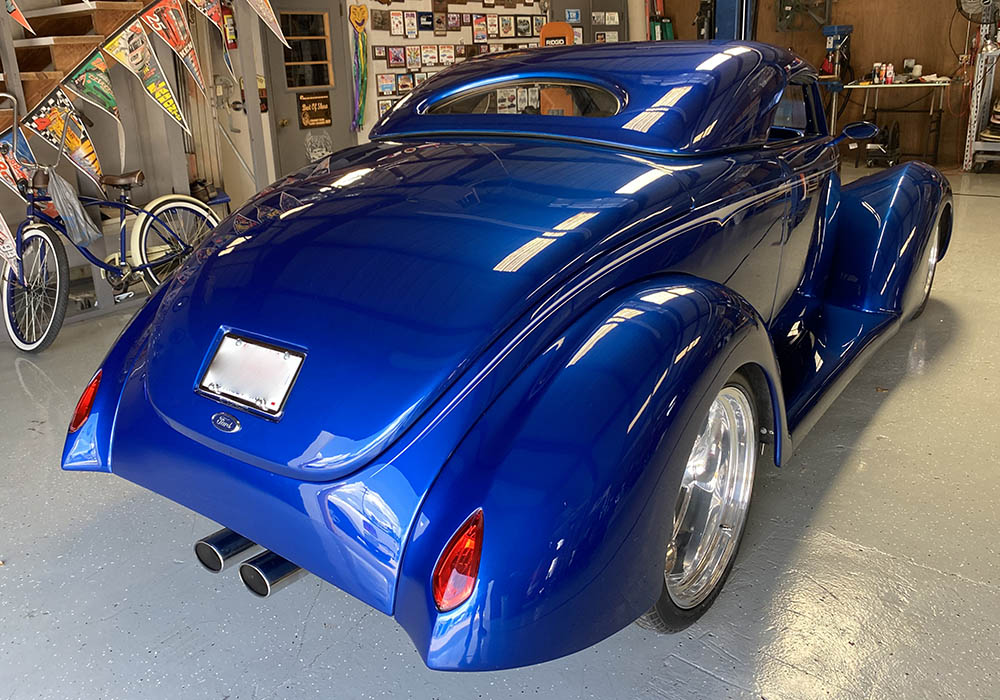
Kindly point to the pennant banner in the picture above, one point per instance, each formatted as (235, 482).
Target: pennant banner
(14, 11)
(132, 49)
(49, 119)
(358, 14)
(212, 9)
(166, 19)
(91, 82)
(266, 14)
(11, 169)
(8, 251)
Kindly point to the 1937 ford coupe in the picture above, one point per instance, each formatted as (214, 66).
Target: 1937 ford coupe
(506, 372)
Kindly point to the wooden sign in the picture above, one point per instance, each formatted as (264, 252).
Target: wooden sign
(314, 110)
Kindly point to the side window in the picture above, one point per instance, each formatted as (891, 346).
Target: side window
(793, 117)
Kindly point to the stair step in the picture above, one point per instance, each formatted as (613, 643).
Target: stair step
(77, 18)
(38, 75)
(44, 41)
(81, 8)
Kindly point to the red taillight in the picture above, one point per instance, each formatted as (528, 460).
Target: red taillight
(86, 402)
(457, 567)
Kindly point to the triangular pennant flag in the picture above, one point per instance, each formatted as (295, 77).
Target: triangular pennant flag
(11, 169)
(166, 19)
(212, 9)
(14, 11)
(132, 49)
(8, 250)
(91, 82)
(49, 119)
(266, 14)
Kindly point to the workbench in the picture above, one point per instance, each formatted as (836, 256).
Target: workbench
(871, 93)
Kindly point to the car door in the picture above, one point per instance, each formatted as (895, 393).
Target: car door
(801, 142)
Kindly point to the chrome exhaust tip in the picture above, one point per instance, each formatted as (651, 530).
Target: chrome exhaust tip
(267, 572)
(215, 550)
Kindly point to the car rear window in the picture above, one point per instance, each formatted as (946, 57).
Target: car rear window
(545, 98)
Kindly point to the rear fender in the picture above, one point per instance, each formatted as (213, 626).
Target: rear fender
(576, 467)
(89, 448)
(884, 225)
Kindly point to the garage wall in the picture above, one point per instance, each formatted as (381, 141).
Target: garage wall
(898, 29)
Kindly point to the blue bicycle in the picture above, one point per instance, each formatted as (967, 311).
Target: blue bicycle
(34, 287)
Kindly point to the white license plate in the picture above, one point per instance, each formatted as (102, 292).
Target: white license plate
(252, 374)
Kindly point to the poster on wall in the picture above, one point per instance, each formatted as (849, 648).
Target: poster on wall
(48, 120)
(266, 14)
(396, 23)
(132, 49)
(15, 12)
(480, 34)
(410, 24)
(8, 251)
(166, 19)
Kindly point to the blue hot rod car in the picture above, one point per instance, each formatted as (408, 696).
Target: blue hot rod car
(506, 372)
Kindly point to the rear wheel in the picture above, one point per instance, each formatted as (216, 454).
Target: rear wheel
(34, 308)
(711, 510)
(161, 234)
(933, 255)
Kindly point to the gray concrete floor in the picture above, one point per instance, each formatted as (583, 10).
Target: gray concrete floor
(870, 568)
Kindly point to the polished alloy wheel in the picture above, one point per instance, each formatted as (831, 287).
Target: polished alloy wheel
(714, 499)
(932, 260)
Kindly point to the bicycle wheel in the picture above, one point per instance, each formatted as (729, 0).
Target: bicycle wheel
(179, 220)
(34, 311)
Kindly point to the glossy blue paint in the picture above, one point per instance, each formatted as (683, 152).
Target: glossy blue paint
(531, 326)
(679, 97)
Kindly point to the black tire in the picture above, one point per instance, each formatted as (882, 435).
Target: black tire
(667, 617)
(33, 332)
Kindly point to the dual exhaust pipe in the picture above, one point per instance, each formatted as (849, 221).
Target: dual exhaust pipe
(262, 574)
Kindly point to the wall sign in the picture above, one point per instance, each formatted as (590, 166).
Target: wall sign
(314, 110)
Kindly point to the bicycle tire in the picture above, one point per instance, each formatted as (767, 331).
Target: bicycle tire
(170, 209)
(22, 329)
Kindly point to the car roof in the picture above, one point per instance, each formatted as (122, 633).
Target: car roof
(676, 97)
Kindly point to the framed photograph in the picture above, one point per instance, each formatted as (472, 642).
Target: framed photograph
(378, 53)
(386, 83)
(396, 23)
(412, 57)
(410, 24)
(577, 35)
(454, 21)
(600, 38)
(446, 54)
(429, 54)
(419, 78)
(384, 106)
(573, 16)
(479, 30)
(493, 25)
(460, 51)
(597, 17)
(489, 3)
(507, 26)
(466, 19)
(522, 99)
(396, 57)
(611, 37)
(380, 20)
(537, 22)
(533, 97)
(404, 83)
(440, 24)
(494, 48)
(523, 25)
(611, 18)
(425, 21)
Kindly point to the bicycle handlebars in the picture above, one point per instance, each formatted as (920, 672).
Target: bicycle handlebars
(15, 131)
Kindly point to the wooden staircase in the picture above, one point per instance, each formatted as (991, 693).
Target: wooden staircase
(66, 34)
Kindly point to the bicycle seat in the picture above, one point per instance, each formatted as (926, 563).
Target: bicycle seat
(125, 180)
